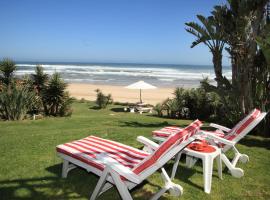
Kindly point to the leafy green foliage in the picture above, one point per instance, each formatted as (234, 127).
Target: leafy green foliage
(191, 104)
(159, 109)
(7, 68)
(103, 100)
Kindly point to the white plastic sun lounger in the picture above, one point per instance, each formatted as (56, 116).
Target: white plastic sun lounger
(224, 138)
(231, 138)
(123, 166)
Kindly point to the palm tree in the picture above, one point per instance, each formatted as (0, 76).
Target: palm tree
(209, 33)
(7, 68)
(241, 22)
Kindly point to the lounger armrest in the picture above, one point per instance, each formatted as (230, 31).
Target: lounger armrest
(217, 126)
(148, 143)
(120, 169)
(219, 139)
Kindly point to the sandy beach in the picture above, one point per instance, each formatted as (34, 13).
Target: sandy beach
(119, 93)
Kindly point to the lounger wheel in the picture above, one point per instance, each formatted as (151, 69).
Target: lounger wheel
(244, 158)
(175, 189)
(237, 172)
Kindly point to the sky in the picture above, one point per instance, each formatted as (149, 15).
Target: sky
(121, 31)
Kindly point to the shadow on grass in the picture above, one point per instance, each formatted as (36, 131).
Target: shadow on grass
(252, 141)
(94, 108)
(137, 124)
(119, 109)
(78, 185)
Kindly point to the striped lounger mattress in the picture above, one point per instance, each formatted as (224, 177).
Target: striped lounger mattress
(85, 150)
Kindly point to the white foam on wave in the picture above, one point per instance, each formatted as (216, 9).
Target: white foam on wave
(163, 74)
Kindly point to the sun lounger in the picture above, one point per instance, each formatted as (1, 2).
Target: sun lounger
(224, 138)
(124, 166)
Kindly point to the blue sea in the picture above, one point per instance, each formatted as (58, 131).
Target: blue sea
(160, 75)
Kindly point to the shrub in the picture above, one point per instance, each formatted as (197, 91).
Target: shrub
(16, 101)
(103, 100)
(159, 109)
(57, 101)
(191, 104)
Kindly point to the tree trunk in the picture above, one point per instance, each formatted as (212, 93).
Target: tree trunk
(217, 61)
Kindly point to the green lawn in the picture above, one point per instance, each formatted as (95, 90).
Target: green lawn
(30, 169)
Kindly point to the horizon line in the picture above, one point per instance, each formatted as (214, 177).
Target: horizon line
(89, 62)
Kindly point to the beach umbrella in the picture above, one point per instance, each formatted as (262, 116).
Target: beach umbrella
(140, 85)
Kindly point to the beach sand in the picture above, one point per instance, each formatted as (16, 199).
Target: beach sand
(119, 93)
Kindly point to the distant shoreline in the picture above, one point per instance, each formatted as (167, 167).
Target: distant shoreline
(119, 93)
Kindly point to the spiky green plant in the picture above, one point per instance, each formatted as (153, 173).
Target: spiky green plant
(103, 100)
(159, 109)
(55, 98)
(40, 79)
(16, 101)
(7, 69)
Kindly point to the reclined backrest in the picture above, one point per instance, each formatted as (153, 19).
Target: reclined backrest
(179, 139)
(245, 125)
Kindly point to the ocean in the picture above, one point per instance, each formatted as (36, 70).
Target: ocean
(160, 75)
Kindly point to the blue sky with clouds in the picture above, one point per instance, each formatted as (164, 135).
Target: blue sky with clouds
(140, 31)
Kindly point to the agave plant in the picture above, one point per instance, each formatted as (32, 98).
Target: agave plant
(16, 101)
(7, 68)
(40, 79)
(54, 95)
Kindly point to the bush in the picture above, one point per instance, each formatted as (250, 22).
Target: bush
(159, 109)
(16, 101)
(190, 104)
(57, 101)
(103, 100)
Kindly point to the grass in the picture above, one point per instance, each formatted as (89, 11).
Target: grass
(30, 169)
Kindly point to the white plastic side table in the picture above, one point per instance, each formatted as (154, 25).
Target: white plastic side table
(207, 160)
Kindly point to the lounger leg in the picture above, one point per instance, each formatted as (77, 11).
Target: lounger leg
(236, 172)
(121, 187)
(100, 184)
(175, 189)
(106, 187)
(235, 159)
(65, 168)
(175, 165)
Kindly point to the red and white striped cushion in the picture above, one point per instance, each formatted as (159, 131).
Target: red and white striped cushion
(86, 149)
(168, 144)
(166, 131)
(243, 124)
